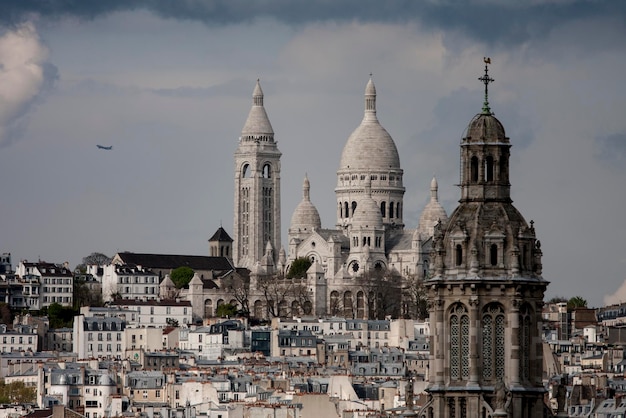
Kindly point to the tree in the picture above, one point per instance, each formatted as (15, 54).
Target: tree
(17, 392)
(557, 299)
(382, 291)
(576, 302)
(60, 316)
(299, 267)
(181, 276)
(239, 288)
(226, 310)
(6, 316)
(277, 291)
(416, 298)
(93, 259)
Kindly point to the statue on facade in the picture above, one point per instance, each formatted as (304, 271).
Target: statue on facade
(501, 395)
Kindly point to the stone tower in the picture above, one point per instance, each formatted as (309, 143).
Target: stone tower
(257, 187)
(486, 291)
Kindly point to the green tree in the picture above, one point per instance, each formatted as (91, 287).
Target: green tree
(576, 302)
(299, 268)
(16, 392)
(60, 316)
(226, 310)
(181, 276)
(6, 316)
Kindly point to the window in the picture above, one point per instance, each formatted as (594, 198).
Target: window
(493, 254)
(493, 342)
(489, 168)
(474, 169)
(458, 255)
(459, 343)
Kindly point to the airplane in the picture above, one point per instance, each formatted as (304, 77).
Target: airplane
(110, 147)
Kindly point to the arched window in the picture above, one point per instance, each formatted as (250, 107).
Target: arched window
(524, 342)
(360, 305)
(398, 210)
(245, 171)
(458, 255)
(353, 207)
(346, 213)
(493, 342)
(208, 308)
(295, 308)
(267, 171)
(474, 169)
(334, 303)
(383, 209)
(459, 343)
(493, 254)
(347, 304)
(258, 309)
(391, 209)
(489, 168)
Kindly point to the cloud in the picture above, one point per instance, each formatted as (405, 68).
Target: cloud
(618, 297)
(612, 149)
(24, 75)
(494, 22)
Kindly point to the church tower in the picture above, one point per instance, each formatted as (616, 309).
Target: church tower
(257, 187)
(486, 290)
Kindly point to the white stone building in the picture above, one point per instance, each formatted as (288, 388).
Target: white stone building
(98, 337)
(157, 313)
(44, 284)
(131, 282)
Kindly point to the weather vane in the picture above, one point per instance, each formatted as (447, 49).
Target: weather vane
(486, 80)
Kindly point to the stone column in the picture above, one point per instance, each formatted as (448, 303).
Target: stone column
(513, 371)
(439, 343)
(473, 353)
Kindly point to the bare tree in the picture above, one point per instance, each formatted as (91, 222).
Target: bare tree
(415, 297)
(276, 291)
(239, 288)
(382, 293)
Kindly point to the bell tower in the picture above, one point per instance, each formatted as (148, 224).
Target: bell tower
(257, 187)
(486, 290)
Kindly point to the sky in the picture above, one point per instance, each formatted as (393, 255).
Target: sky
(169, 86)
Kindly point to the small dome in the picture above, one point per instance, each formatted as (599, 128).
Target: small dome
(485, 127)
(305, 217)
(367, 213)
(433, 212)
(370, 147)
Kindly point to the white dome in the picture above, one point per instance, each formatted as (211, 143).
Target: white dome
(305, 217)
(433, 212)
(367, 213)
(370, 147)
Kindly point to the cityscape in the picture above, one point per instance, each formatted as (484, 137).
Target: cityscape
(221, 209)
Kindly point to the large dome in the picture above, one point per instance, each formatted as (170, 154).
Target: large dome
(370, 147)
(305, 217)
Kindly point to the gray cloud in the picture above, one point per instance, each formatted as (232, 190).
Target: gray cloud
(495, 23)
(612, 149)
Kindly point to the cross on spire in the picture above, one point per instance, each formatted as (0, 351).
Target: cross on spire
(486, 80)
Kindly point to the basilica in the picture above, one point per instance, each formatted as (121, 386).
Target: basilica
(368, 250)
